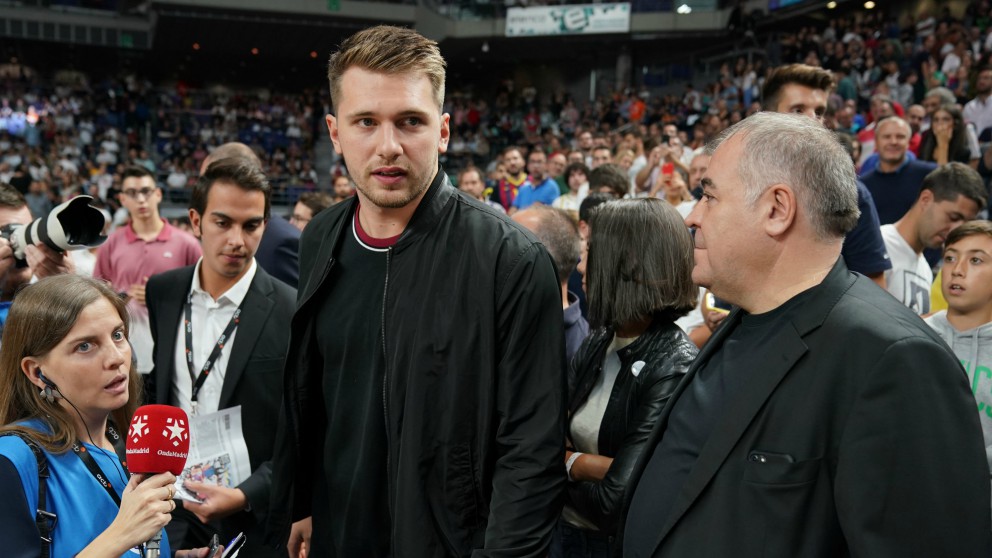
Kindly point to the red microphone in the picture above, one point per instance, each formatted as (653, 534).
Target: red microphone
(158, 440)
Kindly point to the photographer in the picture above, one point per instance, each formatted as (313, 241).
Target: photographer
(42, 261)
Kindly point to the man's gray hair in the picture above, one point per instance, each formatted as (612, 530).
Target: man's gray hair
(798, 151)
(946, 96)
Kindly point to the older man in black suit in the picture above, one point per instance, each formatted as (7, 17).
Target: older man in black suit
(231, 318)
(823, 419)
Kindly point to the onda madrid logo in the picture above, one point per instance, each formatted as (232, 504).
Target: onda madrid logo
(175, 429)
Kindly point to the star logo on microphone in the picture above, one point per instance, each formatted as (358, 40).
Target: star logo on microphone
(176, 431)
(139, 427)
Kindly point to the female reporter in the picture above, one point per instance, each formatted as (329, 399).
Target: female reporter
(625, 371)
(67, 386)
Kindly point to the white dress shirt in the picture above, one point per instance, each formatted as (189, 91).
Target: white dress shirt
(209, 318)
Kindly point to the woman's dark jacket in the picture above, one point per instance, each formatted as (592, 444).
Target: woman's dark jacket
(635, 404)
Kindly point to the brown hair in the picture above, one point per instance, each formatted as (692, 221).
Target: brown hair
(389, 50)
(800, 74)
(40, 318)
(315, 201)
(971, 228)
(631, 280)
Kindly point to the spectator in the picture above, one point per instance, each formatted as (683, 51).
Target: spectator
(558, 233)
(342, 188)
(627, 369)
(966, 325)
(539, 187)
(308, 206)
(895, 184)
(946, 140)
(949, 196)
(577, 179)
(147, 245)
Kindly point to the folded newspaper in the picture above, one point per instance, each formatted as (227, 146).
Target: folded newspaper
(217, 452)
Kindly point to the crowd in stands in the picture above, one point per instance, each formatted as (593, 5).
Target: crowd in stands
(75, 137)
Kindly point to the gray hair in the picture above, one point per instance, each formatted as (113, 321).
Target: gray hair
(560, 235)
(798, 151)
(946, 95)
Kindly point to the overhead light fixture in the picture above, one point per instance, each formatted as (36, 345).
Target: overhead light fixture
(485, 46)
(831, 5)
(869, 5)
(684, 9)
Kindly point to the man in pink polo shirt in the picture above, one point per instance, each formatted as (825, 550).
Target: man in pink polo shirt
(145, 246)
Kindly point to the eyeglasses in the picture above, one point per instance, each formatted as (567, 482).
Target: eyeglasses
(137, 194)
(298, 219)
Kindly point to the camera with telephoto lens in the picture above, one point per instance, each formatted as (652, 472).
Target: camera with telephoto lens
(73, 225)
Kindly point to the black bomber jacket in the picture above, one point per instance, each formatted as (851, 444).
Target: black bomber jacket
(473, 387)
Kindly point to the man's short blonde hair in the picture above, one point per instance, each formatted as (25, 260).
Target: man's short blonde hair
(389, 50)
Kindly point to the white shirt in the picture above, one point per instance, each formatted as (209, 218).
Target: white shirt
(209, 319)
(588, 418)
(910, 278)
(979, 113)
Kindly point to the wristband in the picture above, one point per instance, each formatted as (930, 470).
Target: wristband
(570, 462)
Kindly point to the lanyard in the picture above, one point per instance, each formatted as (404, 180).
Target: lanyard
(84, 455)
(198, 381)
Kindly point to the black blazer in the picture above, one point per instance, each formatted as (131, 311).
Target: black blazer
(878, 419)
(253, 378)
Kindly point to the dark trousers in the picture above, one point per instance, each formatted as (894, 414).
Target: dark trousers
(571, 542)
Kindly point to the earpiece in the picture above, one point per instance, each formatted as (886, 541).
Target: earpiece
(45, 379)
(51, 391)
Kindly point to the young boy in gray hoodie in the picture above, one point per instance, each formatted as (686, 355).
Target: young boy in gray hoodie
(966, 325)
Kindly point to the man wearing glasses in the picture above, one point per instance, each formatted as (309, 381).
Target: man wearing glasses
(147, 245)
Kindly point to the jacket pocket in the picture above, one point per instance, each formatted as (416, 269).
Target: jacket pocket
(788, 499)
(779, 469)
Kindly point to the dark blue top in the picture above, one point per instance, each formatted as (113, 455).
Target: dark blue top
(896, 192)
(576, 327)
(864, 249)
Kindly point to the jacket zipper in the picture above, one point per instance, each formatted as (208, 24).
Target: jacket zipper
(385, 383)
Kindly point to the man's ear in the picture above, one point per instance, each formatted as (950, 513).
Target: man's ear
(332, 130)
(442, 145)
(194, 222)
(925, 198)
(779, 208)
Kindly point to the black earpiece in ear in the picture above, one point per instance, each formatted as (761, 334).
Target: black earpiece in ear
(45, 380)
(51, 391)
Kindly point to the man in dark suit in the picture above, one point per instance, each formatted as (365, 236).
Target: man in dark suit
(278, 252)
(232, 318)
(823, 419)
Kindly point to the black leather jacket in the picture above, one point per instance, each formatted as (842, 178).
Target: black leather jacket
(635, 405)
(473, 385)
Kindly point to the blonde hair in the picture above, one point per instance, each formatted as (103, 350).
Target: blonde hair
(389, 50)
(40, 318)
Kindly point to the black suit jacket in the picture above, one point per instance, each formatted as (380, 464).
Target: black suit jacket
(877, 416)
(279, 251)
(253, 378)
